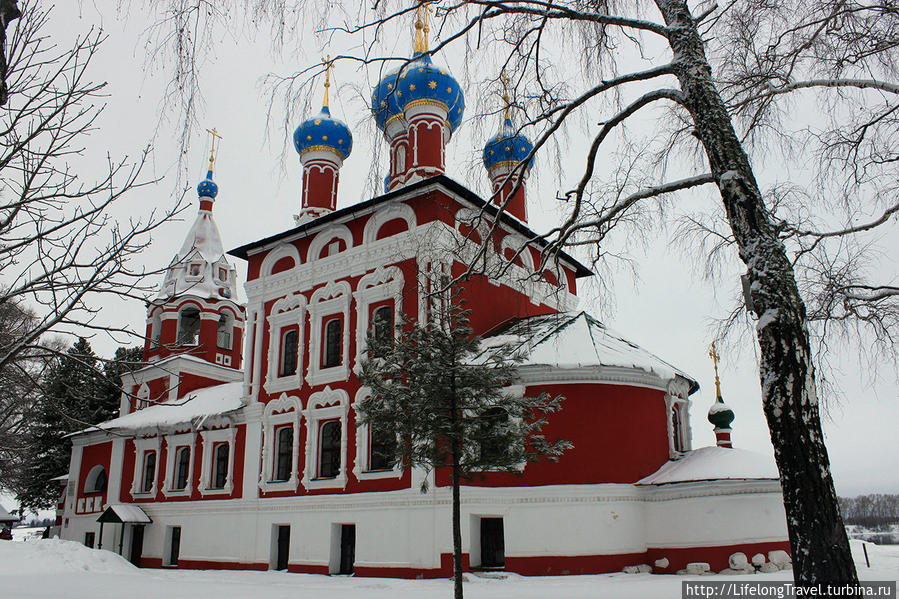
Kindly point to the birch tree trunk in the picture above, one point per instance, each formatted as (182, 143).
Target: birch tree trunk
(820, 547)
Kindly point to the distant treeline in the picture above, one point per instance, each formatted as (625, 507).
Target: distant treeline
(873, 510)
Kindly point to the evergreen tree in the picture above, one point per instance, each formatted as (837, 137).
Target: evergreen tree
(443, 399)
(78, 390)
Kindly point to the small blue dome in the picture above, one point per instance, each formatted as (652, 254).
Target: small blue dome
(323, 132)
(507, 146)
(207, 187)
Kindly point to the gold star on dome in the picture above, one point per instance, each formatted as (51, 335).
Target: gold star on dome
(308, 138)
(412, 87)
(449, 90)
(399, 94)
(339, 142)
(491, 152)
(421, 70)
(317, 122)
(324, 138)
(432, 84)
(442, 72)
(507, 148)
(389, 86)
(383, 103)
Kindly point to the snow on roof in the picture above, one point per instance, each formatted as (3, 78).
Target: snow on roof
(61, 478)
(202, 246)
(6, 516)
(125, 513)
(715, 463)
(196, 406)
(576, 339)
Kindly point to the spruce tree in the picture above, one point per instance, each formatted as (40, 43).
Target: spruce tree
(78, 390)
(447, 398)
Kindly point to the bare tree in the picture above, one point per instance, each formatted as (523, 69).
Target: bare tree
(59, 245)
(722, 85)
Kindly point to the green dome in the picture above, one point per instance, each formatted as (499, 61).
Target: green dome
(720, 414)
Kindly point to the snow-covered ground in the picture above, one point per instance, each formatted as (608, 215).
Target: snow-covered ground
(54, 568)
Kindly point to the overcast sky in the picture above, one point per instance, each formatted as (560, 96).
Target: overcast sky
(667, 311)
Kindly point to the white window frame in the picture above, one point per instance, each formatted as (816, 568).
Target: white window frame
(290, 410)
(363, 436)
(377, 286)
(287, 311)
(212, 438)
(141, 447)
(331, 300)
(329, 404)
(172, 443)
(677, 395)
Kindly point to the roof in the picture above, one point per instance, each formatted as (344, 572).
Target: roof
(6, 516)
(195, 407)
(122, 513)
(715, 463)
(449, 184)
(569, 340)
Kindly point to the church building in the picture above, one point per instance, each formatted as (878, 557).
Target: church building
(237, 444)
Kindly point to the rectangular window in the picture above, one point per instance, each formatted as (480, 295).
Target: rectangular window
(220, 471)
(383, 446)
(284, 454)
(333, 347)
(289, 352)
(188, 326)
(182, 468)
(329, 450)
(149, 471)
(382, 328)
(223, 274)
(175, 546)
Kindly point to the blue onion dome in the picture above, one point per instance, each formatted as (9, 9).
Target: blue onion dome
(207, 187)
(426, 83)
(507, 146)
(323, 132)
(384, 99)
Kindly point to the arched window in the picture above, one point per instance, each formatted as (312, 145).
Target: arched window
(333, 343)
(149, 471)
(289, 349)
(382, 448)
(492, 438)
(189, 326)
(220, 472)
(182, 468)
(223, 337)
(96, 480)
(284, 458)
(156, 329)
(676, 429)
(329, 450)
(382, 326)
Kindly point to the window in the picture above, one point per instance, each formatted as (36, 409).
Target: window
(96, 480)
(382, 325)
(156, 329)
(382, 450)
(329, 453)
(223, 337)
(284, 458)
(333, 343)
(493, 441)
(182, 468)
(189, 326)
(149, 472)
(676, 428)
(289, 353)
(194, 270)
(223, 274)
(220, 471)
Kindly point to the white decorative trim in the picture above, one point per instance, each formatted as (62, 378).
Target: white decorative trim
(291, 412)
(141, 447)
(283, 250)
(285, 312)
(172, 443)
(210, 438)
(398, 210)
(360, 465)
(330, 300)
(325, 405)
(683, 412)
(326, 236)
(382, 284)
(515, 243)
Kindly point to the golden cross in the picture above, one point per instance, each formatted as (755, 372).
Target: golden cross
(713, 354)
(329, 64)
(506, 99)
(214, 134)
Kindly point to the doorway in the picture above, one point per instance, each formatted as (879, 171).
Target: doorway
(137, 544)
(493, 547)
(347, 548)
(175, 547)
(282, 547)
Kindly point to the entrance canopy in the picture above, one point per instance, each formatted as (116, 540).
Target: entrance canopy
(122, 514)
